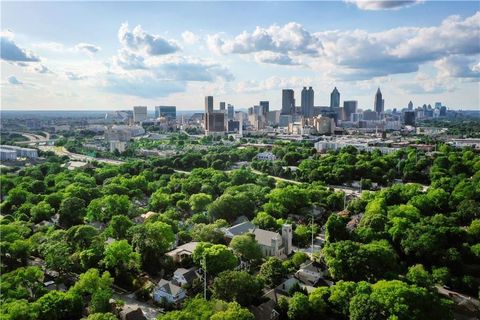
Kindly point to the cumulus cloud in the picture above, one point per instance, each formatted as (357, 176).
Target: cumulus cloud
(14, 81)
(74, 76)
(40, 68)
(459, 66)
(150, 66)
(273, 58)
(356, 54)
(139, 40)
(128, 60)
(87, 48)
(11, 52)
(290, 38)
(190, 37)
(383, 4)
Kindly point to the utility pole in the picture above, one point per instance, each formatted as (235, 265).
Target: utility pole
(204, 277)
(312, 235)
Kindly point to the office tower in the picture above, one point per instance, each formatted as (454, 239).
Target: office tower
(215, 122)
(443, 111)
(409, 118)
(168, 112)
(139, 114)
(230, 112)
(208, 104)
(222, 105)
(288, 102)
(349, 108)
(265, 106)
(335, 99)
(307, 102)
(370, 115)
(379, 102)
(410, 105)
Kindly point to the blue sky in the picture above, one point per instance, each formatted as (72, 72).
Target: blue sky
(113, 55)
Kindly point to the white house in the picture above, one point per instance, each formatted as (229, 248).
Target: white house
(273, 244)
(183, 276)
(309, 273)
(267, 156)
(166, 291)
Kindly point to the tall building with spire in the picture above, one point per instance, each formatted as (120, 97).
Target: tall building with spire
(335, 99)
(379, 102)
(410, 105)
(288, 102)
(307, 102)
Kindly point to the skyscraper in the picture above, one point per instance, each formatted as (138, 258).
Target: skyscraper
(230, 112)
(169, 112)
(208, 104)
(410, 105)
(139, 114)
(288, 102)
(222, 105)
(208, 110)
(349, 108)
(307, 102)
(379, 102)
(335, 98)
(265, 106)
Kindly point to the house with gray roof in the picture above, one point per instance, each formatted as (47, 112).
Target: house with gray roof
(167, 291)
(183, 276)
(273, 244)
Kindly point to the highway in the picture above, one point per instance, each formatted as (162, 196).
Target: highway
(61, 151)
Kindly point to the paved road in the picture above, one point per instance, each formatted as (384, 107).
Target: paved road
(346, 190)
(61, 151)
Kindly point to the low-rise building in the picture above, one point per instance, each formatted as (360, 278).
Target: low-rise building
(183, 251)
(266, 156)
(183, 276)
(167, 291)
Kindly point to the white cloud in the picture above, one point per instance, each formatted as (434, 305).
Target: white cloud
(459, 66)
(272, 83)
(383, 4)
(14, 81)
(51, 46)
(87, 48)
(40, 68)
(70, 75)
(356, 54)
(190, 37)
(138, 40)
(9, 51)
(273, 58)
(290, 38)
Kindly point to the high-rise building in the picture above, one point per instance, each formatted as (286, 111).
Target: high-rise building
(349, 108)
(307, 102)
(443, 111)
(169, 112)
(230, 112)
(265, 107)
(410, 105)
(139, 114)
(214, 119)
(288, 102)
(379, 102)
(409, 118)
(335, 99)
(370, 115)
(208, 104)
(222, 105)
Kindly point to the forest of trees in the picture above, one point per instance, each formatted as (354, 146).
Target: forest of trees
(408, 239)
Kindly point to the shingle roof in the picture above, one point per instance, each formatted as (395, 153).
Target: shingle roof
(241, 228)
(264, 237)
(169, 287)
(188, 274)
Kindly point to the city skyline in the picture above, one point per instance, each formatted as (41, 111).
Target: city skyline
(129, 58)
